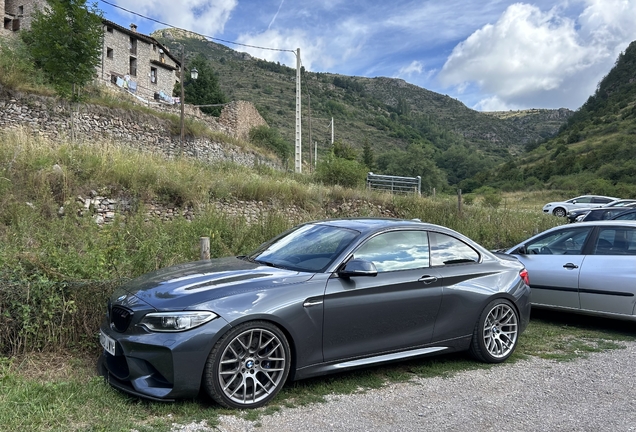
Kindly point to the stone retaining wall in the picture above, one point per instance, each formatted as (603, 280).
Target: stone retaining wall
(50, 117)
(104, 210)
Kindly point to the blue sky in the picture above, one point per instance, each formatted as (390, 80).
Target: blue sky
(489, 54)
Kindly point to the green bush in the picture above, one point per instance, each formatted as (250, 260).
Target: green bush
(342, 172)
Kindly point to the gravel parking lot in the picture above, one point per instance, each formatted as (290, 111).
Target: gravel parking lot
(592, 394)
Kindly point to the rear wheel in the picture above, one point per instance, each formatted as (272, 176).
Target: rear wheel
(248, 366)
(496, 332)
(560, 212)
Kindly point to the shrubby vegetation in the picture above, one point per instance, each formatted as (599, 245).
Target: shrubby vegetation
(56, 269)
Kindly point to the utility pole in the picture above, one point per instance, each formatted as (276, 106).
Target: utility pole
(332, 131)
(298, 156)
(182, 100)
(310, 152)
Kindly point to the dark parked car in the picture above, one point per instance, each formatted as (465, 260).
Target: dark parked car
(588, 268)
(575, 215)
(626, 215)
(323, 297)
(601, 213)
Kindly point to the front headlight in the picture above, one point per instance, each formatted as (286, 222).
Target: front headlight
(176, 321)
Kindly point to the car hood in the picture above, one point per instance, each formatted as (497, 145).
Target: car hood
(185, 285)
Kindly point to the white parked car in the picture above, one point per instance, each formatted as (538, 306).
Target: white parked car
(561, 208)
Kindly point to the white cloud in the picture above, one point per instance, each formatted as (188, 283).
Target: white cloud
(538, 57)
(310, 48)
(207, 17)
(415, 67)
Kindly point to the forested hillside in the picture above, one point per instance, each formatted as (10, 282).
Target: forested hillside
(595, 151)
(407, 130)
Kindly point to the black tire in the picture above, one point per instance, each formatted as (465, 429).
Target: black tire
(496, 332)
(559, 212)
(248, 366)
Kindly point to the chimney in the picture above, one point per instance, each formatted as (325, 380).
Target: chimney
(133, 27)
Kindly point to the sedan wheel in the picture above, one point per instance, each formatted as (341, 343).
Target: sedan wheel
(560, 212)
(248, 366)
(496, 332)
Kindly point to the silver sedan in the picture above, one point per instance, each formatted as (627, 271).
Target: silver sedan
(587, 268)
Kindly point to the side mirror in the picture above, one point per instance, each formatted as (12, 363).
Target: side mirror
(523, 250)
(358, 267)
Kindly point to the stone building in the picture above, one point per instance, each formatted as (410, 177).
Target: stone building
(18, 14)
(129, 59)
(137, 62)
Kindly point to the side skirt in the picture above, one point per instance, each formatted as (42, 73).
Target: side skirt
(447, 346)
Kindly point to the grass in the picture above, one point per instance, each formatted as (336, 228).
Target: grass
(62, 392)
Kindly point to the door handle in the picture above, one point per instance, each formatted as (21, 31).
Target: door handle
(427, 279)
(312, 302)
(570, 266)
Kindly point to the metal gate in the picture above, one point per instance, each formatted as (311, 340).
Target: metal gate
(395, 184)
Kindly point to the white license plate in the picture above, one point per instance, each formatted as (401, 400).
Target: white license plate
(107, 342)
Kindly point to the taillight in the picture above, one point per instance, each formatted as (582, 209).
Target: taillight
(524, 275)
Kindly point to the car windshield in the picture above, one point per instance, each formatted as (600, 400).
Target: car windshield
(311, 247)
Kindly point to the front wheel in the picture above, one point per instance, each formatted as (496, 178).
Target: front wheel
(559, 212)
(248, 366)
(496, 332)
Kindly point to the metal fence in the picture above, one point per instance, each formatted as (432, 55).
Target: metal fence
(395, 184)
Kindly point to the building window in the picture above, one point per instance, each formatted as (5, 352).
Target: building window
(133, 45)
(20, 10)
(109, 29)
(154, 47)
(153, 75)
(109, 53)
(133, 66)
(162, 56)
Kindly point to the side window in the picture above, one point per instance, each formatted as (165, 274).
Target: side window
(616, 241)
(562, 242)
(585, 199)
(447, 250)
(628, 216)
(396, 250)
(599, 200)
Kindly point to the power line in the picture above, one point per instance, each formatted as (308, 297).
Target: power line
(206, 36)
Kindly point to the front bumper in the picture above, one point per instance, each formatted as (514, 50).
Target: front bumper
(160, 366)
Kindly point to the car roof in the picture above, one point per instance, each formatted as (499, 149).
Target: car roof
(371, 224)
(611, 222)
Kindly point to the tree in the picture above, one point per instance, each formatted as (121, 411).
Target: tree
(205, 90)
(66, 42)
(344, 151)
(368, 157)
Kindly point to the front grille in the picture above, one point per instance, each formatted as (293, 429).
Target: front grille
(120, 318)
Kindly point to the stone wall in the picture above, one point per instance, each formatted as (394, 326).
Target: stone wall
(18, 14)
(104, 210)
(50, 117)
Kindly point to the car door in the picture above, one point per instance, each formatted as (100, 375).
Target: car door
(392, 311)
(607, 280)
(553, 262)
